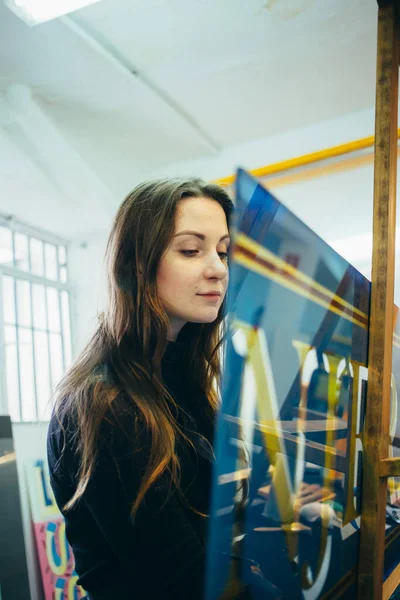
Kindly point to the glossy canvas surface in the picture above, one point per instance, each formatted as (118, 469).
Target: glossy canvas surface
(294, 393)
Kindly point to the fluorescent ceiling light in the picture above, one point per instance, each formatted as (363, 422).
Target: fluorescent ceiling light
(34, 12)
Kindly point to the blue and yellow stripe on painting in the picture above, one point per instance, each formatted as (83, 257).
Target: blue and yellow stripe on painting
(258, 259)
(255, 257)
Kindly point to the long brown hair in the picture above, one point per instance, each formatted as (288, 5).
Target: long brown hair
(131, 336)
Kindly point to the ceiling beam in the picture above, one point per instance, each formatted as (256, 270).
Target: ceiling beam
(102, 46)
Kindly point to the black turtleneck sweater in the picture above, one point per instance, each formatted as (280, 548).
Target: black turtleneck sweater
(161, 553)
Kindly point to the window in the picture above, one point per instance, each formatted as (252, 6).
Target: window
(35, 331)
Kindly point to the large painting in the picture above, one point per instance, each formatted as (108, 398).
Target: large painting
(286, 496)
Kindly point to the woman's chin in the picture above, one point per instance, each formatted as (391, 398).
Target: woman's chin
(204, 317)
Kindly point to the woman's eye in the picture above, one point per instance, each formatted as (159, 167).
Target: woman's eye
(223, 255)
(189, 252)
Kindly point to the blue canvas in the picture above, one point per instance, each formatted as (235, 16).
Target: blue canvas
(286, 493)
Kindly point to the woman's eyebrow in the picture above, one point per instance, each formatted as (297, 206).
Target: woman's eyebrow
(201, 236)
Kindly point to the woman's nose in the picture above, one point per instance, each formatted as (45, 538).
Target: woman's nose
(216, 267)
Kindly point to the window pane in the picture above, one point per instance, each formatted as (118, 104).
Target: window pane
(10, 339)
(62, 255)
(42, 374)
(39, 306)
(6, 249)
(53, 309)
(63, 274)
(27, 375)
(24, 303)
(62, 259)
(8, 300)
(56, 358)
(37, 262)
(51, 261)
(66, 328)
(21, 252)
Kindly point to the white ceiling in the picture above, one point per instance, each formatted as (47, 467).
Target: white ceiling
(236, 70)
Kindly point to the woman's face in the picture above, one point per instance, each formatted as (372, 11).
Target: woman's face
(192, 276)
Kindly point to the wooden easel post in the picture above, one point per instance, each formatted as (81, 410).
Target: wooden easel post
(376, 465)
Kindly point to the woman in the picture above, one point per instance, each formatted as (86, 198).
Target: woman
(130, 440)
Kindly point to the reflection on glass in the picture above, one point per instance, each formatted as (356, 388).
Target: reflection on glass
(66, 328)
(24, 303)
(6, 248)
(21, 252)
(53, 309)
(51, 261)
(27, 374)
(11, 357)
(39, 306)
(56, 358)
(42, 374)
(37, 259)
(8, 299)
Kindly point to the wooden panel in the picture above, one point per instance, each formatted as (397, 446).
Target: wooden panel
(389, 467)
(376, 427)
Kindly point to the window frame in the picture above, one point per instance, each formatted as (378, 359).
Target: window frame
(18, 274)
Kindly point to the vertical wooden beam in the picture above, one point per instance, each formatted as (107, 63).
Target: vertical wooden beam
(376, 427)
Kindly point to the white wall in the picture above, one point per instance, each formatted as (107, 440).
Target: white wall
(87, 275)
(265, 151)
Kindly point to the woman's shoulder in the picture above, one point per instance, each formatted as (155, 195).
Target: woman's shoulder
(112, 405)
(120, 432)
(106, 405)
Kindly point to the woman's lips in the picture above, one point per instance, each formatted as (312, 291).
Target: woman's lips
(210, 296)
